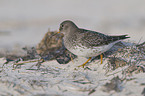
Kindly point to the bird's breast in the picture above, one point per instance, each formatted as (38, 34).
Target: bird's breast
(84, 51)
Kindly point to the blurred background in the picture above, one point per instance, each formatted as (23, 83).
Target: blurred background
(24, 22)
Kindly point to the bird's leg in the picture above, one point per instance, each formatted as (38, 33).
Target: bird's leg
(85, 62)
(71, 58)
(101, 56)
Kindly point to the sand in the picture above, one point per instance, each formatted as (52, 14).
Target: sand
(54, 79)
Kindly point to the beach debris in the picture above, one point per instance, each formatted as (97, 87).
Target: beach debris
(133, 69)
(91, 91)
(115, 62)
(16, 64)
(115, 84)
(130, 60)
(51, 47)
(30, 54)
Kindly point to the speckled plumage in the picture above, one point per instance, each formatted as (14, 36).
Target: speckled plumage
(86, 43)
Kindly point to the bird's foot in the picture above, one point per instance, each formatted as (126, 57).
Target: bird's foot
(101, 56)
(85, 62)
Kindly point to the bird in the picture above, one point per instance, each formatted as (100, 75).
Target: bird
(86, 43)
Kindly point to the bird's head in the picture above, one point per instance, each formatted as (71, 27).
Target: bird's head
(67, 26)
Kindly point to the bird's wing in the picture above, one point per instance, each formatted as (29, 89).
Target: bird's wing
(92, 38)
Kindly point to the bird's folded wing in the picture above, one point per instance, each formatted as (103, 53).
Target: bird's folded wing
(91, 38)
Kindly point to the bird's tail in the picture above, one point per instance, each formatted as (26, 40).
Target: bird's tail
(121, 37)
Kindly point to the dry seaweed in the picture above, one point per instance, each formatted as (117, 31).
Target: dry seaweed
(51, 47)
(115, 62)
(130, 57)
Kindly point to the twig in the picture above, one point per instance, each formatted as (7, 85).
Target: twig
(140, 44)
(23, 62)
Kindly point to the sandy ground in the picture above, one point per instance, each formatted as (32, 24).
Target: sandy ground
(54, 79)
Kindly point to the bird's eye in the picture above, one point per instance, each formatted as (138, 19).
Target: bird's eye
(62, 26)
